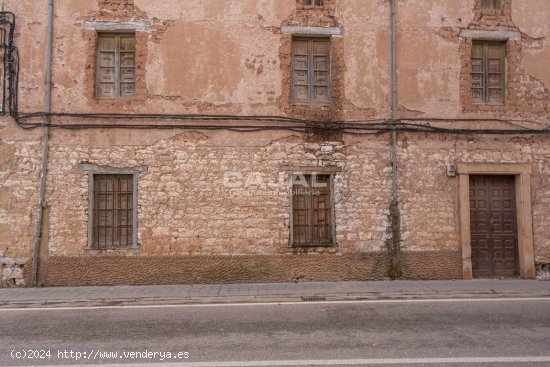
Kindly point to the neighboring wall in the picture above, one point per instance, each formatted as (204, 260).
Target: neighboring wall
(229, 57)
(20, 150)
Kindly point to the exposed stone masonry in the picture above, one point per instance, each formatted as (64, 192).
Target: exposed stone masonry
(543, 271)
(11, 271)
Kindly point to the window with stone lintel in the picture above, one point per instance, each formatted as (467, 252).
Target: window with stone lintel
(312, 210)
(116, 66)
(112, 206)
(488, 71)
(311, 70)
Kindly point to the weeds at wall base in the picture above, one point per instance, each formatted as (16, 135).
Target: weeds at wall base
(393, 241)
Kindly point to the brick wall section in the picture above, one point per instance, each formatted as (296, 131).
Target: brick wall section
(313, 16)
(493, 19)
(116, 6)
(108, 270)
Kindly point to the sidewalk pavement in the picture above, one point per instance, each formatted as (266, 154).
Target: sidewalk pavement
(270, 292)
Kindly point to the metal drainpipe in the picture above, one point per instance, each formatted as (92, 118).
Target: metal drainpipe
(44, 165)
(393, 104)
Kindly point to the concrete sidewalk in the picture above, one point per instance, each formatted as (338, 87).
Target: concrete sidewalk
(269, 292)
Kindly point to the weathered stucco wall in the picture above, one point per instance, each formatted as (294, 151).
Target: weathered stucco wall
(205, 56)
(20, 150)
(229, 57)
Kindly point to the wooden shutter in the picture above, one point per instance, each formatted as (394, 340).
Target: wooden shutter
(321, 70)
(311, 70)
(116, 66)
(312, 210)
(488, 74)
(301, 67)
(491, 4)
(107, 66)
(313, 2)
(113, 211)
(127, 66)
(495, 72)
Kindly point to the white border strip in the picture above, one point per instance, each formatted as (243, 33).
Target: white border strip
(297, 303)
(115, 26)
(312, 31)
(490, 35)
(338, 362)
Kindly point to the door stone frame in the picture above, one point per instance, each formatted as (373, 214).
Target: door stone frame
(524, 212)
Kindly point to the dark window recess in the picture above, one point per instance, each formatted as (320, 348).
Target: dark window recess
(312, 210)
(311, 70)
(112, 211)
(116, 67)
(488, 75)
(491, 4)
(313, 2)
(9, 64)
(3, 49)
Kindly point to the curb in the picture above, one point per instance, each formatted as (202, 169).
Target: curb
(279, 298)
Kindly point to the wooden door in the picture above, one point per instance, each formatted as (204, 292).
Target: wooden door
(493, 227)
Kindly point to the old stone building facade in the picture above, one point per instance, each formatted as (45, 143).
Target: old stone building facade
(208, 141)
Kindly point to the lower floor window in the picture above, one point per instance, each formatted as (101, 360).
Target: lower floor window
(312, 210)
(112, 211)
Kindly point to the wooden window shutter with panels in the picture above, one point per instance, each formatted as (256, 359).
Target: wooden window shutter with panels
(491, 4)
(313, 2)
(116, 67)
(112, 211)
(311, 70)
(488, 72)
(312, 211)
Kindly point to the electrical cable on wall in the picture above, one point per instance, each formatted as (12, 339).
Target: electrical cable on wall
(10, 64)
(352, 127)
(188, 121)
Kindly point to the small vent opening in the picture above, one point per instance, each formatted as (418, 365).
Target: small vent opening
(313, 299)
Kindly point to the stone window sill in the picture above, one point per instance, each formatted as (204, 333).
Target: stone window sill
(315, 245)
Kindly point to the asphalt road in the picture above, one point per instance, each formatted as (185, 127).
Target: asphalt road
(430, 333)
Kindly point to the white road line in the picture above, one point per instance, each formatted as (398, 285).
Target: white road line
(282, 303)
(333, 362)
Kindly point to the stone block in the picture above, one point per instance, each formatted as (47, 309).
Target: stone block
(21, 261)
(7, 273)
(6, 261)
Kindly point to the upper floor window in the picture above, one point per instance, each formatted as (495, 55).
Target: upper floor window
(116, 66)
(313, 2)
(491, 4)
(311, 70)
(488, 76)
